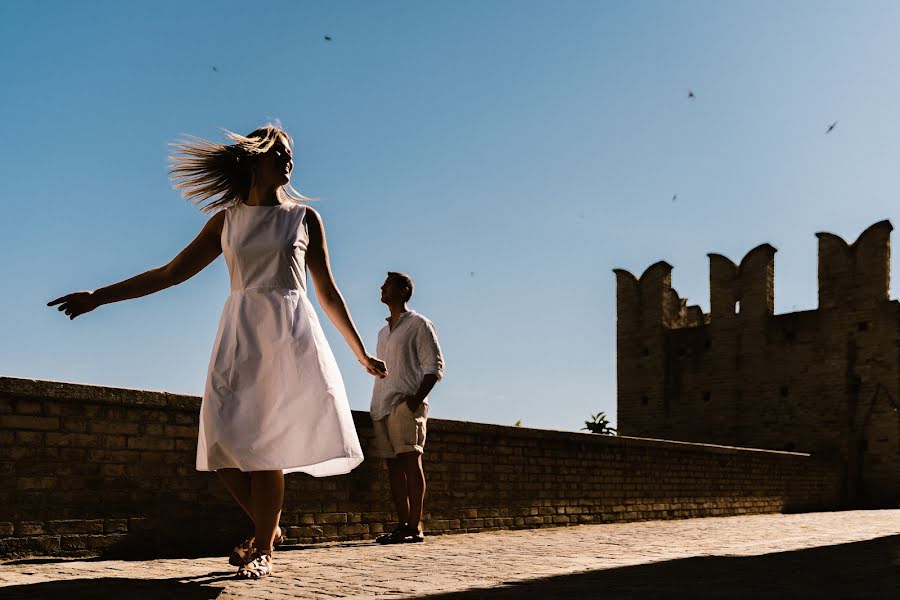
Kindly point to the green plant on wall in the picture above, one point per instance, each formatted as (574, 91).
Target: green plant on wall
(599, 424)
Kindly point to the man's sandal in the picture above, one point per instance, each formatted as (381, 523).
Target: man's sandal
(260, 566)
(241, 554)
(393, 537)
(401, 535)
(413, 536)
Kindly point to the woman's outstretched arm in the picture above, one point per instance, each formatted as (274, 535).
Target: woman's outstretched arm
(330, 297)
(205, 248)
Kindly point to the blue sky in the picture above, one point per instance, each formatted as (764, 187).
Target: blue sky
(508, 155)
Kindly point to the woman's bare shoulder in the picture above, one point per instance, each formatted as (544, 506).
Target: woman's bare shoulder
(313, 219)
(312, 213)
(216, 222)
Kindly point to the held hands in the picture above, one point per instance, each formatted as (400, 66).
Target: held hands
(374, 366)
(75, 304)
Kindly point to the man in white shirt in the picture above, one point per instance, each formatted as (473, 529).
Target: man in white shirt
(409, 347)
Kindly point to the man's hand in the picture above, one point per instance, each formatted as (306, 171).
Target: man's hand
(412, 403)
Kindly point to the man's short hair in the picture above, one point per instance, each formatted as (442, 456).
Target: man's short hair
(404, 279)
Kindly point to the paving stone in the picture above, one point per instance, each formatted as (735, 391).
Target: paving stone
(510, 564)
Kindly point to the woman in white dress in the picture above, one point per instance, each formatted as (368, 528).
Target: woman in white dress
(274, 400)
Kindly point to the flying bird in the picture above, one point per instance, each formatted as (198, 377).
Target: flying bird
(471, 273)
(216, 69)
(327, 38)
(674, 197)
(830, 127)
(691, 93)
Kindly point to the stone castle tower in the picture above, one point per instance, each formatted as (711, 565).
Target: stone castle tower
(823, 381)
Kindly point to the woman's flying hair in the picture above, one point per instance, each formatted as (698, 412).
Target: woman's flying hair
(215, 176)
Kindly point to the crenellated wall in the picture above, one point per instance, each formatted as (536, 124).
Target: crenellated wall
(824, 381)
(855, 275)
(747, 289)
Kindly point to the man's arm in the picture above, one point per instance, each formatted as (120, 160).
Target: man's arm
(415, 401)
(431, 360)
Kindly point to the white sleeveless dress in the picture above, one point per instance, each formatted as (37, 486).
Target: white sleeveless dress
(274, 397)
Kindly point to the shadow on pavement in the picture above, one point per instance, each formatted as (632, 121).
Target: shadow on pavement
(859, 570)
(110, 587)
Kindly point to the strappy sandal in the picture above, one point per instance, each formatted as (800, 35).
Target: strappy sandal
(241, 554)
(259, 566)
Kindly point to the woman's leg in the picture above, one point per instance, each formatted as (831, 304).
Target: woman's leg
(266, 500)
(238, 484)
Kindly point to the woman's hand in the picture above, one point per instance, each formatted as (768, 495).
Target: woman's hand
(76, 304)
(374, 366)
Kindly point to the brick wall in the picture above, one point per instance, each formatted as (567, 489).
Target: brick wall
(90, 470)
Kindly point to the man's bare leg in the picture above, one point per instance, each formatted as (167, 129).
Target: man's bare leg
(397, 477)
(415, 487)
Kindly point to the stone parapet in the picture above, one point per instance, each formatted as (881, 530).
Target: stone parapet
(95, 470)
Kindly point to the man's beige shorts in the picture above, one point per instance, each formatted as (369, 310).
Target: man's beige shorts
(401, 431)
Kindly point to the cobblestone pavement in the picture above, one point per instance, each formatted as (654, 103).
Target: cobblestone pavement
(854, 554)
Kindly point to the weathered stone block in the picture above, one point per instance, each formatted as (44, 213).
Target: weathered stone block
(29, 422)
(75, 526)
(331, 518)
